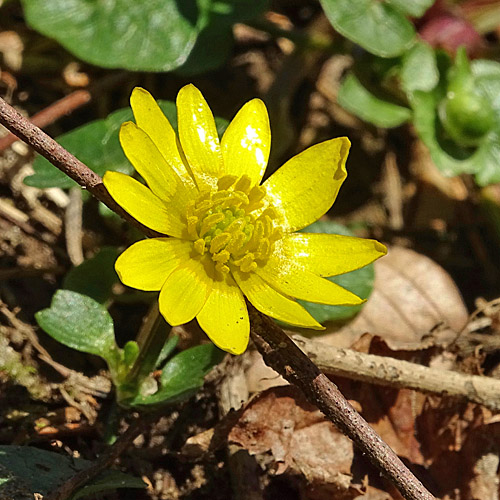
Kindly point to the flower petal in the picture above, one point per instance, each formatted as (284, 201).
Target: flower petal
(224, 317)
(150, 118)
(306, 186)
(198, 136)
(290, 279)
(150, 163)
(268, 301)
(148, 263)
(185, 291)
(143, 205)
(247, 142)
(329, 254)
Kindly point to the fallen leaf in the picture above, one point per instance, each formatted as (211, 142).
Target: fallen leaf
(413, 296)
(298, 436)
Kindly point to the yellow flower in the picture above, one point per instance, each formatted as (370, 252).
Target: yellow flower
(228, 236)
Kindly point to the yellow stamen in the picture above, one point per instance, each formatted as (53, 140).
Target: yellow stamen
(199, 246)
(219, 242)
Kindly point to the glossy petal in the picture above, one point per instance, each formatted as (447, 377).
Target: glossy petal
(148, 263)
(143, 205)
(224, 317)
(152, 166)
(185, 291)
(306, 186)
(150, 118)
(247, 142)
(268, 301)
(198, 136)
(329, 254)
(292, 280)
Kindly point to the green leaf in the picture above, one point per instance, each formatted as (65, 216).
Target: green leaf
(354, 97)
(183, 375)
(167, 350)
(97, 145)
(81, 323)
(42, 471)
(413, 8)
(359, 282)
(487, 79)
(159, 35)
(94, 277)
(377, 26)
(419, 70)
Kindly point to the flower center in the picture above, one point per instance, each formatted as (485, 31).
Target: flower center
(230, 224)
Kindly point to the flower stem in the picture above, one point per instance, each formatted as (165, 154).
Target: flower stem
(151, 339)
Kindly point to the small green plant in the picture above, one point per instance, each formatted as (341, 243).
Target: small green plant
(81, 323)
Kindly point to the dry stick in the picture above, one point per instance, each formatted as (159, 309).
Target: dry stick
(281, 354)
(390, 372)
(276, 347)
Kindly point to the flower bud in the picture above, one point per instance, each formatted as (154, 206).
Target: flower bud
(466, 116)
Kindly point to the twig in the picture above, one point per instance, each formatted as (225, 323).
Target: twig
(390, 372)
(63, 160)
(276, 347)
(105, 461)
(281, 354)
(73, 226)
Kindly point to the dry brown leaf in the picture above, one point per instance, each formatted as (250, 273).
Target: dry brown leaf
(299, 438)
(412, 296)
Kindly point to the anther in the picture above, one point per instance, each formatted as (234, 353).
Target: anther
(222, 257)
(243, 184)
(226, 181)
(246, 263)
(222, 268)
(210, 221)
(219, 242)
(199, 246)
(191, 225)
(236, 243)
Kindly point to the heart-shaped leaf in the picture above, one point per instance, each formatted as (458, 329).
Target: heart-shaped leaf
(357, 99)
(159, 35)
(183, 375)
(378, 26)
(79, 322)
(419, 70)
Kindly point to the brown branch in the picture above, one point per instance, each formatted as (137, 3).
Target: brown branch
(276, 347)
(390, 372)
(281, 354)
(63, 160)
